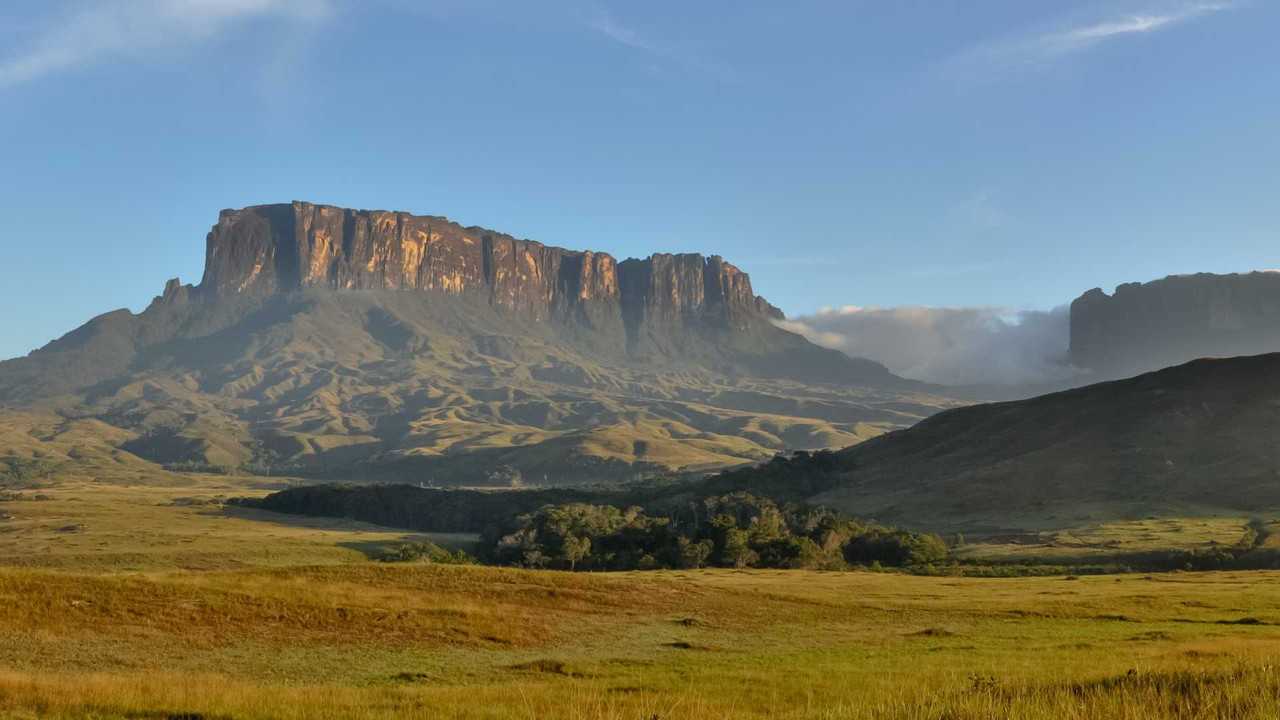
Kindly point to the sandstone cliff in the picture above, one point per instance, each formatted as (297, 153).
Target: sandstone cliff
(1146, 326)
(280, 248)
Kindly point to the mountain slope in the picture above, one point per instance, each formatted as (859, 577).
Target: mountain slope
(371, 344)
(1198, 436)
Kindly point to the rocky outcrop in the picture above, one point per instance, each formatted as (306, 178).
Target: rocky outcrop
(1146, 326)
(280, 248)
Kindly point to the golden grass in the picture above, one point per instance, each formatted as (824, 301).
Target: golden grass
(369, 641)
(159, 605)
(77, 524)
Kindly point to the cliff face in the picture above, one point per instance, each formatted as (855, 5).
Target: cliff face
(279, 248)
(1146, 326)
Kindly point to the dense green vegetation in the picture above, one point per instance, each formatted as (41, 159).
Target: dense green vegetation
(784, 479)
(735, 530)
(426, 551)
(741, 518)
(801, 475)
(654, 527)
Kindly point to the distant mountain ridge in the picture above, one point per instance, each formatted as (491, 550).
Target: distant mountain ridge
(1147, 326)
(328, 340)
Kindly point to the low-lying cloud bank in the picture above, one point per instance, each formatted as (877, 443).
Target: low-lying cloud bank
(949, 346)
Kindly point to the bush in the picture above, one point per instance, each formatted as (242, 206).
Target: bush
(426, 552)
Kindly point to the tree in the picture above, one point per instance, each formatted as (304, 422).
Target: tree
(926, 549)
(506, 475)
(575, 549)
(790, 552)
(737, 549)
(693, 555)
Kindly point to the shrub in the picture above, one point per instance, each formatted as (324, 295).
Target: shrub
(426, 552)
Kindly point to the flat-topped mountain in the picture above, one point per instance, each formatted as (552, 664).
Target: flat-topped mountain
(367, 343)
(280, 248)
(1147, 326)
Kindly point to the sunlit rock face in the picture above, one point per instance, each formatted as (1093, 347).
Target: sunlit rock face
(281, 248)
(1146, 326)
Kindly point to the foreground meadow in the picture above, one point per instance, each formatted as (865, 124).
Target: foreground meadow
(145, 602)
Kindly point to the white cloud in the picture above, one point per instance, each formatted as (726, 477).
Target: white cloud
(97, 31)
(1082, 37)
(604, 23)
(609, 26)
(1038, 48)
(950, 346)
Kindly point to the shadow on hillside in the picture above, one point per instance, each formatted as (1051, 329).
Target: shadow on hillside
(299, 521)
(370, 548)
(376, 549)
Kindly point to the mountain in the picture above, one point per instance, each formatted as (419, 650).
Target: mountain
(1199, 437)
(358, 343)
(1146, 326)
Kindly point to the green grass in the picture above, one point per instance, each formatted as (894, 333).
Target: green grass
(375, 641)
(74, 524)
(1102, 541)
(162, 603)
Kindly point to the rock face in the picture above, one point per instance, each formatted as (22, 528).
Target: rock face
(1146, 326)
(270, 249)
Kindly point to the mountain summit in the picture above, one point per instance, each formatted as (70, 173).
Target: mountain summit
(274, 248)
(354, 342)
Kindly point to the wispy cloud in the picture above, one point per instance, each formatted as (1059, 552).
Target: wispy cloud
(609, 26)
(1036, 49)
(1079, 38)
(98, 31)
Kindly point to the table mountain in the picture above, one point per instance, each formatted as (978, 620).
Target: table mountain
(1147, 326)
(363, 343)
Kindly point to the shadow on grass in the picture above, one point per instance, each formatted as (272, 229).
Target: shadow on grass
(371, 548)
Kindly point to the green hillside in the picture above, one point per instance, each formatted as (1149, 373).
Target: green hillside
(1198, 438)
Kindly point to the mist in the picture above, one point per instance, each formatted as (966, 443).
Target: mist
(949, 346)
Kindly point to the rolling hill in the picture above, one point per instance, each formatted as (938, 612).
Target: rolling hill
(1199, 437)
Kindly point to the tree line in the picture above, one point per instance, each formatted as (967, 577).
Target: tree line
(738, 530)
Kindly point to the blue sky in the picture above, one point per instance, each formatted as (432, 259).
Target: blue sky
(968, 153)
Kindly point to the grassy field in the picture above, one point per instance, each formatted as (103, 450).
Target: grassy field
(82, 525)
(160, 603)
(1104, 541)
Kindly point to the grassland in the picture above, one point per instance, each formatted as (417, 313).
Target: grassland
(154, 601)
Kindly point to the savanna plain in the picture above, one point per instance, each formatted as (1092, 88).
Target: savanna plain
(151, 598)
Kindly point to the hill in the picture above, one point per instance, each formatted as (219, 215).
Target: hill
(372, 344)
(1199, 437)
